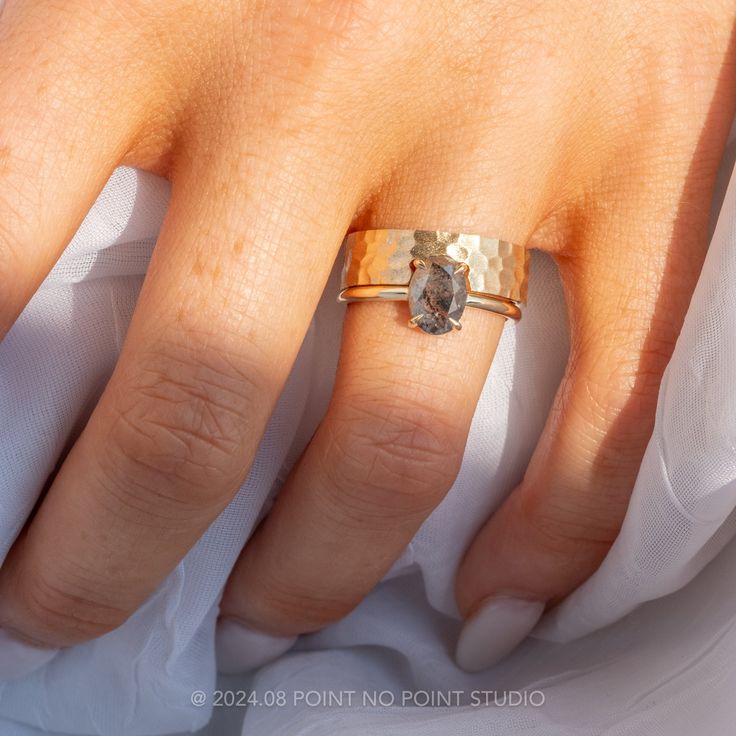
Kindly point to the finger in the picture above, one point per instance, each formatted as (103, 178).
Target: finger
(64, 129)
(393, 438)
(626, 305)
(386, 453)
(227, 299)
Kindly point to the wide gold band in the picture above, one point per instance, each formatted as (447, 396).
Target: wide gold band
(387, 293)
(497, 268)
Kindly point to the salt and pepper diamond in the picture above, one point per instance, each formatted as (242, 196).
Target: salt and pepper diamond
(438, 292)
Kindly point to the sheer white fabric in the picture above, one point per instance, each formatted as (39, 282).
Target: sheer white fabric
(617, 658)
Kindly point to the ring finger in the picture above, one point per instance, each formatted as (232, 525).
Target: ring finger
(384, 456)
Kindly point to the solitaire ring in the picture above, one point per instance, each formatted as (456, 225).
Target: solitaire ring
(439, 273)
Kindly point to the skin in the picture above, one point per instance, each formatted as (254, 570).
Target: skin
(590, 131)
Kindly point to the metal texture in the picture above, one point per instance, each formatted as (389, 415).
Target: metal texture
(497, 267)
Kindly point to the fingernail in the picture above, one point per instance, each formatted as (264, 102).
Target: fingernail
(239, 648)
(495, 630)
(18, 659)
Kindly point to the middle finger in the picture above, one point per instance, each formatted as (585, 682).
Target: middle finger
(226, 302)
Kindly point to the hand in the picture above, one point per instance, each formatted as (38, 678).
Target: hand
(590, 131)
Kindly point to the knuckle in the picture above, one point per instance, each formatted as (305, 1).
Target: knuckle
(612, 413)
(566, 525)
(289, 609)
(398, 455)
(629, 357)
(65, 615)
(349, 24)
(185, 423)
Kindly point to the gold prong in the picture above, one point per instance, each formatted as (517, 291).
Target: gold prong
(414, 321)
(418, 263)
(463, 268)
(455, 324)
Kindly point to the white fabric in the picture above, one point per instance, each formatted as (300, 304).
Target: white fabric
(665, 668)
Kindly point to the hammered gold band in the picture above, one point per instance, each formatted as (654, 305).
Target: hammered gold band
(439, 273)
(497, 267)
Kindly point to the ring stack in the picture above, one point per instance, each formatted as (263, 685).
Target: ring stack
(438, 273)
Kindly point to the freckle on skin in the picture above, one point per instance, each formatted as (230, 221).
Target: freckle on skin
(238, 246)
(197, 267)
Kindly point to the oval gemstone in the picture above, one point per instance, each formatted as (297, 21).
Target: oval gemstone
(438, 292)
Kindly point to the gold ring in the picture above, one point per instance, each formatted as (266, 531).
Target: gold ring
(439, 273)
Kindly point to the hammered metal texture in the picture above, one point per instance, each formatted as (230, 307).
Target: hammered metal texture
(497, 267)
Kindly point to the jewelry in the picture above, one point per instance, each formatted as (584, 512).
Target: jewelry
(438, 273)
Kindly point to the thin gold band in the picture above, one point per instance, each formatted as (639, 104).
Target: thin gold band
(388, 292)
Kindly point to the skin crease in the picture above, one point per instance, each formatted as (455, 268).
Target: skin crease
(592, 132)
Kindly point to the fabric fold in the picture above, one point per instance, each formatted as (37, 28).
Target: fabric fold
(644, 646)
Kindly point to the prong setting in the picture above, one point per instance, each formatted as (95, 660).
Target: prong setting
(437, 294)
